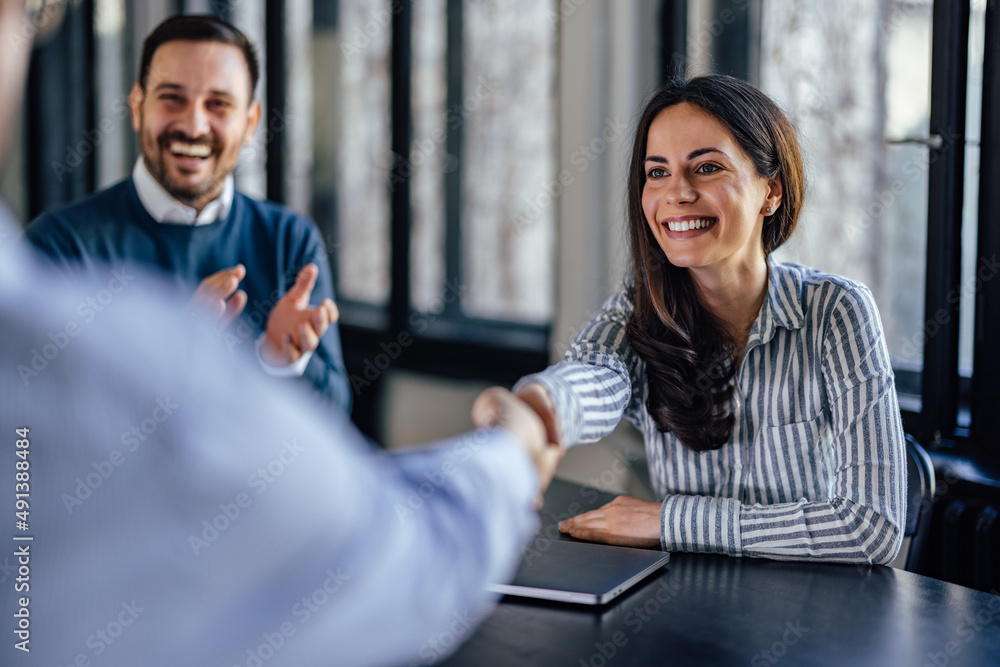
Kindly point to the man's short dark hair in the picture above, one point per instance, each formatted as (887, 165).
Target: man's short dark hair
(198, 28)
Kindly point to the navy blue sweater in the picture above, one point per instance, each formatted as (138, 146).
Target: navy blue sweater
(112, 227)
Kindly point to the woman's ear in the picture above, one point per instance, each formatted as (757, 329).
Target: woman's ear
(773, 199)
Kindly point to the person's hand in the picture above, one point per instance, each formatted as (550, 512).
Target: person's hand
(625, 522)
(498, 407)
(217, 296)
(293, 327)
(537, 396)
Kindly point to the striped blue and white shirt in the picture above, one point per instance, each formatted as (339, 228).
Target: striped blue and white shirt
(815, 466)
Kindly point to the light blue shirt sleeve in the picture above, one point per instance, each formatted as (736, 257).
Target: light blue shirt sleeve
(196, 518)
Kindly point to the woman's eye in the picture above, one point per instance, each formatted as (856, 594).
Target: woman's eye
(708, 168)
(656, 172)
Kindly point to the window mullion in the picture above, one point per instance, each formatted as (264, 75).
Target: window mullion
(402, 138)
(949, 63)
(985, 387)
(453, 143)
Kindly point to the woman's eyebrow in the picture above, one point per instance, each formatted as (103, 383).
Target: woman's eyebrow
(690, 156)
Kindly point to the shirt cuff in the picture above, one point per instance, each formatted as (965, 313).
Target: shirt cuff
(701, 524)
(293, 370)
(567, 406)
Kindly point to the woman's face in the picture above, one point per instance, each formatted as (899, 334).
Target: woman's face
(702, 197)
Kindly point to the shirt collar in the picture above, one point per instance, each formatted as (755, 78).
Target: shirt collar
(782, 306)
(163, 207)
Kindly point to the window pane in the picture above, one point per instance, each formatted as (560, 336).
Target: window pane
(251, 173)
(508, 157)
(852, 77)
(429, 159)
(112, 127)
(351, 42)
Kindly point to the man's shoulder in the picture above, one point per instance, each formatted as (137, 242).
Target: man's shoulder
(269, 209)
(277, 218)
(99, 209)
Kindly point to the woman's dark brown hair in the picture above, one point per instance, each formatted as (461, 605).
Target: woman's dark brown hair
(689, 362)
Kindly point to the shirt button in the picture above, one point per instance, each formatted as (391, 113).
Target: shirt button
(738, 466)
(737, 403)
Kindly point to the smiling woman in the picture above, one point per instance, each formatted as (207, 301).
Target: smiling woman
(763, 390)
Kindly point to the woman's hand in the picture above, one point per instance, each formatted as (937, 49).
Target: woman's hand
(625, 521)
(537, 396)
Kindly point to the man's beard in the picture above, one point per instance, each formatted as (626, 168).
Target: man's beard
(185, 194)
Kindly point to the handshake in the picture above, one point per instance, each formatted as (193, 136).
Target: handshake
(530, 416)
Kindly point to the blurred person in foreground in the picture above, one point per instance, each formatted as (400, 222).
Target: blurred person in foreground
(257, 268)
(169, 520)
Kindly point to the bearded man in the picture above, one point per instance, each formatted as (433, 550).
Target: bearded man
(257, 267)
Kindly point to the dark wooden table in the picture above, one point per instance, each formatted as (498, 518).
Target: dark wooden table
(714, 610)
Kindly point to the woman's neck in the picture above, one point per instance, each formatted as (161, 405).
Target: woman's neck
(734, 295)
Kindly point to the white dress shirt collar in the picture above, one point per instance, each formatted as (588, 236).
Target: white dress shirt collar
(165, 208)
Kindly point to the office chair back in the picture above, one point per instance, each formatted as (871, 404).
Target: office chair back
(919, 501)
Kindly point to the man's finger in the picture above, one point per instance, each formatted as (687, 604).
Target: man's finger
(308, 340)
(320, 320)
(234, 306)
(220, 285)
(303, 287)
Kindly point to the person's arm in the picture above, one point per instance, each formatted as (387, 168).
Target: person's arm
(583, 397)
(245, 519)
(862, 520)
